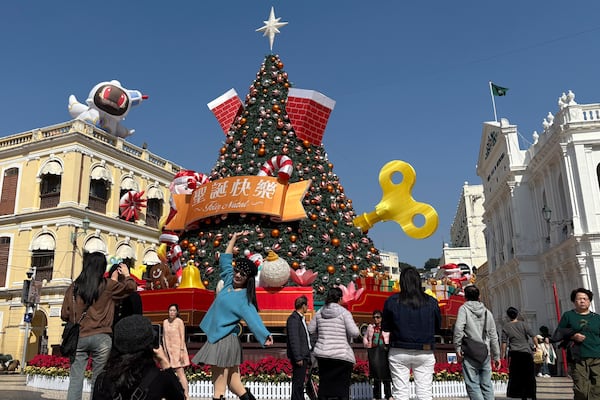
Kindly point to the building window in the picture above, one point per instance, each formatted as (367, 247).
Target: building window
(99, 192)
(153, 212)
(4, 251)
(50, 190)
(9, 191)
(43, 260)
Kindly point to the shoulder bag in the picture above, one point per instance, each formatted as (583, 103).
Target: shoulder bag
(70, 336)
(474, 350)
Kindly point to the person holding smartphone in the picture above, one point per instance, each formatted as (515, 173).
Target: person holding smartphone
(173, 338)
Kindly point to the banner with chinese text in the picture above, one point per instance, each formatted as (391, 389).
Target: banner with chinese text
(241, 194)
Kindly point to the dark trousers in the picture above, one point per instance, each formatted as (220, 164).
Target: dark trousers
(298, 379)
(387, 388)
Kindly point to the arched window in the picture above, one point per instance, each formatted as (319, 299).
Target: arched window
(50, 176)
(42, 257)
(100, 182)
(154, 206)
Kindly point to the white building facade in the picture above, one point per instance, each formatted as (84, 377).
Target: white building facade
(542, 212)
(467, 239)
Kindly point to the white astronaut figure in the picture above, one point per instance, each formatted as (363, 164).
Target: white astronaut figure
(107, 104)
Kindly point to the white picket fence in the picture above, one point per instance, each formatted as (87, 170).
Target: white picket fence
(204, 389)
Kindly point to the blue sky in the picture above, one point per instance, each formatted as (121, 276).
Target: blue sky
(410, 78)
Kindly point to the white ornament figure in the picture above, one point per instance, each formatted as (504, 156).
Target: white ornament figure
(107, 104)
(275, 271)
(271, 27)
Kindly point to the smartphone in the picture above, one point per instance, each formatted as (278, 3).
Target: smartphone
(156, 335)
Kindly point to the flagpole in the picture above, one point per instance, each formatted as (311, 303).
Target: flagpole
(493, 101)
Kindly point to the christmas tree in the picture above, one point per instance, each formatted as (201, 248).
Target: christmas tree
(325, 241)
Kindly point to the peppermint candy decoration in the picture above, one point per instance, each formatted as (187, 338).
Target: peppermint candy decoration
(282, 164)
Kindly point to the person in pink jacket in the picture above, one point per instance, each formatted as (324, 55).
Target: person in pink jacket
(376, 337)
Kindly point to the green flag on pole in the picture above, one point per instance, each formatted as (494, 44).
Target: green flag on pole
(499, 90)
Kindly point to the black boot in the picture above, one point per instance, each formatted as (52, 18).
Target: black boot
(247, 395)
(218, 398)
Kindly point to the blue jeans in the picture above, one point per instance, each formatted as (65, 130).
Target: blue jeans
(478, 379)
(98, 346)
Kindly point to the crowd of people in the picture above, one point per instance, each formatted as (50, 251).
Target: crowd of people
(131, 358)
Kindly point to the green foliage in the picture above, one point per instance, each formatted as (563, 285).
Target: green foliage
(431, 263)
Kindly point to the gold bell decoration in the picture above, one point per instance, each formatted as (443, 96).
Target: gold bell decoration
(190, 277)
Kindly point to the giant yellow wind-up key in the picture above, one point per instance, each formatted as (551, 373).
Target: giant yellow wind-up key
(397, 203)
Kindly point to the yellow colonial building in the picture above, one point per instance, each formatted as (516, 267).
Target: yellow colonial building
(60, 188)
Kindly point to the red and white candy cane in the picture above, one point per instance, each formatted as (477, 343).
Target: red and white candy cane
(283, 165)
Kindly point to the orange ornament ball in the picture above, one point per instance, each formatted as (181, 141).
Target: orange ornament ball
(255, 140)
(192, 249)
(335, 242)
(330, 269)
(295, 264)
(261, 151)
(280, 65)
(275, 233)
(243, 121)
(293, 238)
(354, 267)
(305, 143)
(205, 282)
(223, 150)
(313, 217)
(216, 243)
(185, 243)
(374, 267)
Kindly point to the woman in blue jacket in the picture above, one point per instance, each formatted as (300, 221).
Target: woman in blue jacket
(235, 302)
(412, 318)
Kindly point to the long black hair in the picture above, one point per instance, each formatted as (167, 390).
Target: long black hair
(90, 282)
(411, 288)
(126, 370)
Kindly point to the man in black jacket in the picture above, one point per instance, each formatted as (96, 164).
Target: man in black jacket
(298, 346)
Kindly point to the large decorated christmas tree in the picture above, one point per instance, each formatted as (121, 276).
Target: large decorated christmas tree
(277, 132)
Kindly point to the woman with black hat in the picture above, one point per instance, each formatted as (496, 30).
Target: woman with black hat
(236, 301)
(131, 371)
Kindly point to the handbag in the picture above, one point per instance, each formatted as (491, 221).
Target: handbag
(473, 349)
(538, 356)
(379, 367)
(70, 335)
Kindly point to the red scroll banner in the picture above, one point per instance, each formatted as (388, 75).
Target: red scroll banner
(241, 194)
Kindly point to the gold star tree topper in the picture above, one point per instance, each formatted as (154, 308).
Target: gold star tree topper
(271, 27)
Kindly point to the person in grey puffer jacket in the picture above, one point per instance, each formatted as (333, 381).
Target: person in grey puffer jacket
(334, 329)
(470, 323)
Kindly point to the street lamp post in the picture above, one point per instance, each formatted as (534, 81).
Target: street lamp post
(29, 300)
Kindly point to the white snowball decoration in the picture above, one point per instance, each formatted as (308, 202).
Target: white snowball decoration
(275, 271)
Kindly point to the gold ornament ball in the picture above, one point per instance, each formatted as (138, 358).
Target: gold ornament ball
(275, 233)
(330, 269)
(335, 242)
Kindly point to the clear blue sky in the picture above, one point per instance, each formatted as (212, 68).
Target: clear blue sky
(410, 78)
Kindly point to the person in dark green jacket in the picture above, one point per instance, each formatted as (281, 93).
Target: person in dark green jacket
(579, 329)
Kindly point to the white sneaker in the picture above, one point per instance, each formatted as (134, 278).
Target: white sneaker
(546, 376)
(539, 375)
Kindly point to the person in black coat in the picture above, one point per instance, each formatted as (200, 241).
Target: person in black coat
(298, 346)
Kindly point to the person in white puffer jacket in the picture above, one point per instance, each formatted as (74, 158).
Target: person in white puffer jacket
(334, 329)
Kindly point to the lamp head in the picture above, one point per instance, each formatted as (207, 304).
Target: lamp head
(85, 223)
(29, 273)
(547, 213)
